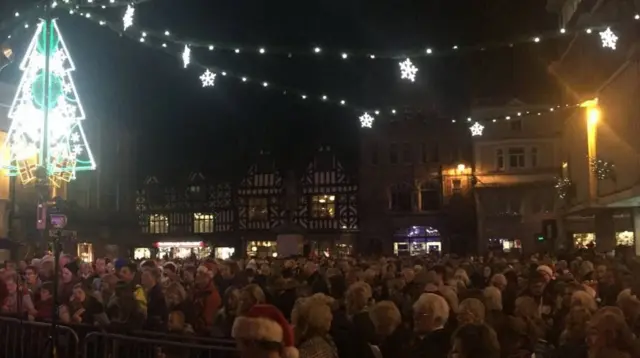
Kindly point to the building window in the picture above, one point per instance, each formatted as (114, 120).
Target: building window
(375, 155)
(516, 125)
(158, 224)
(393, 153)
(429, 197)
(423, 153)
(499, 159)
(516, 158)
(202, 223)
(401, 198)
(456, 186)
(257, 209)
(406, 153)
(194, 189)
(534, 157)
(323, 206)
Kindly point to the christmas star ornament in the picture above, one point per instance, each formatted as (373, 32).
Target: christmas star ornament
(476, 129)
(208, 79)
(366, 121)
(408, 70)
(127, 19)
(608, 38)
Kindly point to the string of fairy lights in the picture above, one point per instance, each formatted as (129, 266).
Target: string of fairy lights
(607, 36)
(182, 49)
(101, 3)
(209, 75)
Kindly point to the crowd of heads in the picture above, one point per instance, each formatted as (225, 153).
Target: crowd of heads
(430, 306)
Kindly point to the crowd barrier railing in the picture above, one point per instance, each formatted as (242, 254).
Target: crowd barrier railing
(26, 339)
(107, 345)
(22, 338)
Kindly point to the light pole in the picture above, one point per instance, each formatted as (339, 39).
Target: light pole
(593, 117)
(42, 175)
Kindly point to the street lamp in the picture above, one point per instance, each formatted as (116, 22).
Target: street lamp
(593, 115)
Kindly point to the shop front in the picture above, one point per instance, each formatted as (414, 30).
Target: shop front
(587, 240)
(262, 249)
(224, 253)
(504, 244)
(417, 240)
(182, 249)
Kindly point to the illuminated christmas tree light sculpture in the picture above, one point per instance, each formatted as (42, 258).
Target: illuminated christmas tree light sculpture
(68, 149)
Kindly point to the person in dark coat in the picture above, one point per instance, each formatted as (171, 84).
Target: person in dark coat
(314, 279)
(430, 314)
(157, 310)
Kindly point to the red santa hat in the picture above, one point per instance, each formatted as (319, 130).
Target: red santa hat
(266, 323)
(208, 268)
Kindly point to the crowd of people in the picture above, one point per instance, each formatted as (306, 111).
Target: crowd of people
(460, 307)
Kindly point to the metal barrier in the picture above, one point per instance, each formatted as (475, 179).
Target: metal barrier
(105, 345)
(25, 339)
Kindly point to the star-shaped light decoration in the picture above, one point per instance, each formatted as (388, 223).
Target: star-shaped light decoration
(77, 149)
(366, 121)
(186, 56)
(75, 137)
(608, 38)
(208, 79)
(476, 129)
(408, 70)
(127, 19)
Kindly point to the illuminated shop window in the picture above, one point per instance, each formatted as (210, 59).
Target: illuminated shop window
(323, 206)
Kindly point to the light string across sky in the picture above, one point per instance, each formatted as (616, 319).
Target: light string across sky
(209, 75)
(101, 3)
(167, 36)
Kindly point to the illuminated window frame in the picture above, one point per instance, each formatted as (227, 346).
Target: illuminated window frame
(323, 206)
(203, 223)
(158, 224)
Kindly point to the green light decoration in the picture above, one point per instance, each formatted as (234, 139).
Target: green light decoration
(68, 150)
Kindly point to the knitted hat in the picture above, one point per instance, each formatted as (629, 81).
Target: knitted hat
(266, 323)
(73, 267)
(120, 263)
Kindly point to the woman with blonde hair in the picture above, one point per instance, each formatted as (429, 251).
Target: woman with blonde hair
(608, 335)
(311, 318)
(471, 311)
(250, 296)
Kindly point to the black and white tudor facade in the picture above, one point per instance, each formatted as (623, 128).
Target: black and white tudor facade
(317, 212)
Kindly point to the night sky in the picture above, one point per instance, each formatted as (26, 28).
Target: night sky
(179, 126)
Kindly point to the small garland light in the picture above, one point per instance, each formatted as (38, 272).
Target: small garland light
(602, 169)
(563, 185)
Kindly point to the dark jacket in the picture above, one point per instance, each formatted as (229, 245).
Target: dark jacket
(157, 311)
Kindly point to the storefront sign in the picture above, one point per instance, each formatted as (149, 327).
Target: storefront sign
(187, 244)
